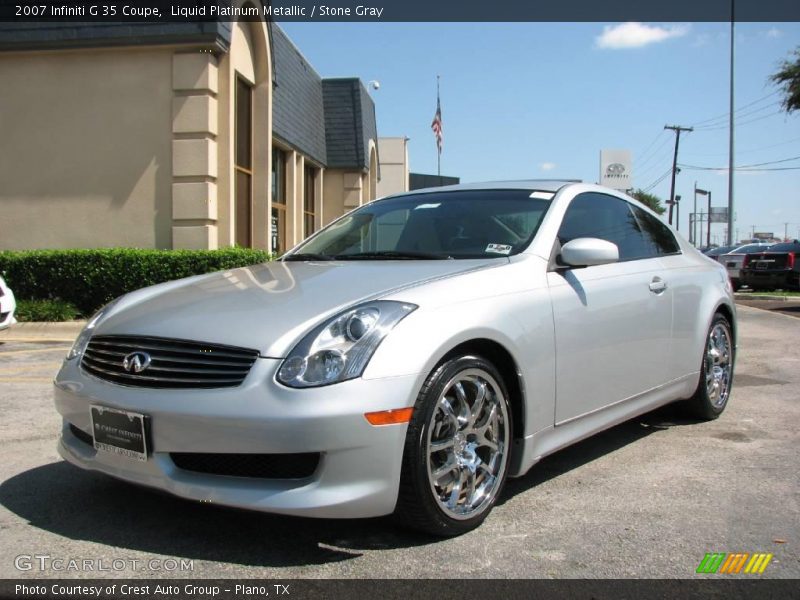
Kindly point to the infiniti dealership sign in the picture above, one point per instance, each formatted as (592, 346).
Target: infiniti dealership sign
(615, 169)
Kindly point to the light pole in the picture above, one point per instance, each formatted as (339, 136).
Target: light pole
(693, 233)
(708, 229)
(730, 135)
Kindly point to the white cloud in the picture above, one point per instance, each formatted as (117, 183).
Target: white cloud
(774, 32)
(547, 166)
(637, 35)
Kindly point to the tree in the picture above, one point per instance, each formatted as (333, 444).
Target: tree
(651, 201)
(788, 77)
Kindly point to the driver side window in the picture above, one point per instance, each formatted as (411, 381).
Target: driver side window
(596, 215)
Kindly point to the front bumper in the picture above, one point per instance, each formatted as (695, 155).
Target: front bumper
(359, 470)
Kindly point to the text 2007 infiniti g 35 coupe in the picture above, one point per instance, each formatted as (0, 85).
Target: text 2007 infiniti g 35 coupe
(406, 359)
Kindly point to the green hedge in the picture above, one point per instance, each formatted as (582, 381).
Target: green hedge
(45, 310)
(88, 279)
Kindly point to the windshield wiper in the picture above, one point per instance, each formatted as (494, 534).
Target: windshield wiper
(307, 256)
(393, 255)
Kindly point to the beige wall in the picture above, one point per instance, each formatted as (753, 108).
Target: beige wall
(344, 191)
(133, 147)
(85, 149)
(393, 154)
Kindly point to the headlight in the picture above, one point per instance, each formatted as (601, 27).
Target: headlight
(340, 348)
(83, 338)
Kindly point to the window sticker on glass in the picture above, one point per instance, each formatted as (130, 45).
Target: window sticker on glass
(421, 206)
(498, 248)
(542, 195)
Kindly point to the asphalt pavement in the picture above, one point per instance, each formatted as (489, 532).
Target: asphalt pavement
(648, 498)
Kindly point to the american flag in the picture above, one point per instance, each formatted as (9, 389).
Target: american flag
(436, 125)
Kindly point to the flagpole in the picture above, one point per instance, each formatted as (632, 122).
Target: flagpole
(438, 146)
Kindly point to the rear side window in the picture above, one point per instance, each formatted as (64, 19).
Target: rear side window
(597, 215)
(658, 235)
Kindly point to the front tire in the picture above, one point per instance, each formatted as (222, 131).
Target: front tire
(716, 372)
(456, 455)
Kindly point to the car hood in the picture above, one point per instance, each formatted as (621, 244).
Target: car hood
(269, 306)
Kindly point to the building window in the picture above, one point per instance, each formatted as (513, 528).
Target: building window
(278, 221)
(243, 164)
(310, 201)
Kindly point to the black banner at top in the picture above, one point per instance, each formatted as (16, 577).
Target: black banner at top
(171, 11)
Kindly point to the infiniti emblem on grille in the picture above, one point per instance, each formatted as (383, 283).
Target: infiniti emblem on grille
(136, 362)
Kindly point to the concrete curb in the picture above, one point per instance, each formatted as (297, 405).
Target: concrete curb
(42, 332)
(741, 296)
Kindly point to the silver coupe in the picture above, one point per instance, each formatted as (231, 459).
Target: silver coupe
(407, 359)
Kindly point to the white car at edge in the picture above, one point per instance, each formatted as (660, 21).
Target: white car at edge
(7, 306)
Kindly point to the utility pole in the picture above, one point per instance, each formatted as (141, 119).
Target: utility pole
(678, 213)
(785, 232)
(677, 129)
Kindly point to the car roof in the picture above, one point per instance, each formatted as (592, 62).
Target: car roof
(543, 185)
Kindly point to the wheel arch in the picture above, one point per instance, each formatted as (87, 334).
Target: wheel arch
(504, 361)
(728, 312)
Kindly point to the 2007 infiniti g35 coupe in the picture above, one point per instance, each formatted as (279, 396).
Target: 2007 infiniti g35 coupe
(406, 359)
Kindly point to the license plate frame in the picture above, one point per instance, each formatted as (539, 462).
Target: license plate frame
(120, 432)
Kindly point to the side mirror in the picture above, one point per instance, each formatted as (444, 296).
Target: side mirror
(587, 252)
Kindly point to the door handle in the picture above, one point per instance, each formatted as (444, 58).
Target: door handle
(658, 285)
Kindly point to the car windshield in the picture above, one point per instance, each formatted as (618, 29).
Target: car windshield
(433, 225)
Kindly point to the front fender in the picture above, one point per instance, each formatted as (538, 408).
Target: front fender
(522, 324)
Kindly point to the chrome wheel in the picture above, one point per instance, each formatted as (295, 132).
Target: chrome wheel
(718, 364)
(468, 444)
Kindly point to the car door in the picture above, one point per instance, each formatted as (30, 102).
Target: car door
(612, 322)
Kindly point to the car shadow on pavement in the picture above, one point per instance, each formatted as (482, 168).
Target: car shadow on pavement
(596, 446)
(81, 505)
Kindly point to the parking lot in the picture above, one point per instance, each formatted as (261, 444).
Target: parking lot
(648, 498)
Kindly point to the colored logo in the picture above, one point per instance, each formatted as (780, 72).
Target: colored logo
(734, 563)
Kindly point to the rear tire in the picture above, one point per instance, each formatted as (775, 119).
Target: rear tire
(716, 372)
(457, 449)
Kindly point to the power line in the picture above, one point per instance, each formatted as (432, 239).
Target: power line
(725, 116)
(777, 112)
(642, 161)
(772, 162)
(738, 117)
(650, 145)
(748, 151)
(657, 181)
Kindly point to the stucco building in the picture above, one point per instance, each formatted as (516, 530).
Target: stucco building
(182, 135)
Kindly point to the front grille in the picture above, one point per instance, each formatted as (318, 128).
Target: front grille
(173, 363)
(81, 435)
(262, 466)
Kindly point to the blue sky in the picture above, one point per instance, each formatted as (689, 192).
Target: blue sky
(533, 100)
